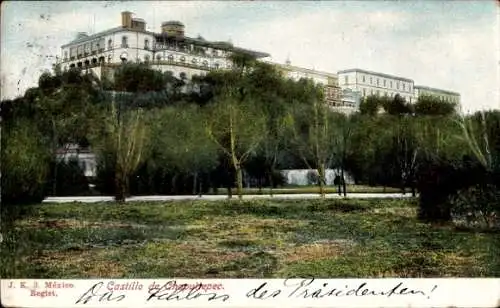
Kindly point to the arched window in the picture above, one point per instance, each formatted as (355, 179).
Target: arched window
(110, 44)
(124, 42)
(146, 44)
(205, 63)
(158, 57)
(216, 65)
(65, 55)
(171, 57)
(183, 75)
(146, 58)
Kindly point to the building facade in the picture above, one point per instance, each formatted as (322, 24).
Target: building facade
(85, 158)
(168, 50)
(350, 101)
(448, 96)
(372, 83)
(328, 81)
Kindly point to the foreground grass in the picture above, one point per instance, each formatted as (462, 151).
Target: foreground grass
(292, 238)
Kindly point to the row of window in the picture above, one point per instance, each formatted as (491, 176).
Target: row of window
(191, 49)
(383, 93)
(182, 75)
(194, 61)
(383, 83)
(86, 48)
(93, 47)
(147, 58)
(446, 98)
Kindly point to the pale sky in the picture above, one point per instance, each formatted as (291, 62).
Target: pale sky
(452, 45)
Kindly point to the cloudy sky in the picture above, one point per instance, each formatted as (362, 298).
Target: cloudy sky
(452, 45)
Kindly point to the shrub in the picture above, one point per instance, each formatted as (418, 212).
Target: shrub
(338, 180)
(69, 179)
(464, 188)
(477, 206)
(435, 184)
(25, 164)
(312, 178)
(105, 173)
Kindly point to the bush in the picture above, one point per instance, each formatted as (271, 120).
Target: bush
(459, 187)
(279, 179)
(477, 206)
(105, 173)
(25, 164)
(70, 179)
(338, 180)
(312, 178)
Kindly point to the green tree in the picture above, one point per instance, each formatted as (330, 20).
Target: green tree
(67, 105)
(441, 153)
(342, 131)
(237, 129)
(271, 94)
(396, 106)
(25, 163)
(133, 77)
(406, 148)
(123, 135)
(314, 136)
(370, 105)
(431, 105)
(180, 142)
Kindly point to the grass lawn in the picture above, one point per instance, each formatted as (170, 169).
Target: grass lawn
(228, 239)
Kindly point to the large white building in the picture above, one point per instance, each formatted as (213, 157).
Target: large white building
(329, 82)
(372, 83)
(350, 100)
(168, 50)
(448, 96)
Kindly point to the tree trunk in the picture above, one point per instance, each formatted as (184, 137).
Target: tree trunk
(342, 180)
(260, 185)
(321, 173)
(239, 181)
(339, 186)
(121, 183)
(404, 183)
(212, 185)
(195, 177)
(174, 184)
(271, 183)
(54, 147)
(229, 188)
(200, 186)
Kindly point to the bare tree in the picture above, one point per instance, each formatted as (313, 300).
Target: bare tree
(124, 134)
(238, 129)
(314, 138)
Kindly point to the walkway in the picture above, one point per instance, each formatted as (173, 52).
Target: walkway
(224, 197)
